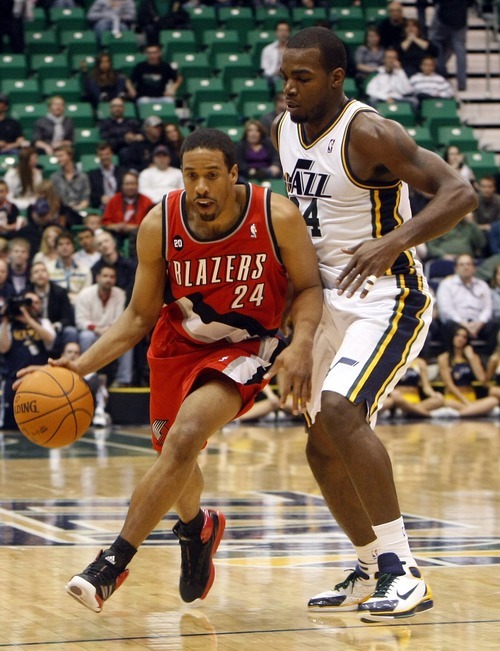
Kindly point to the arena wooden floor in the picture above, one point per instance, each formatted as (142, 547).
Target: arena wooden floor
(281, 546)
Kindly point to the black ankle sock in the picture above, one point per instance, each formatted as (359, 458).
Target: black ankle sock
(122, 551)
(193, 526)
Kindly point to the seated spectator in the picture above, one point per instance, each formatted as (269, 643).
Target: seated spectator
(465, 300)
(459, 367)
(126, 210)
(160, 177)
(106, 179)
(272, 55)
(117, 130)
(256, 156)
(23, 179)
(67, 273)
(72, 185)
(54, 129)
(103, 83)
(488, 209)
(414, 394)
(139, 154)
(111, 16)
(428, 84)
(11, 135)
(7, 291)
(369, 57)
(94, 222)
(465, 237)
(19, 263)
(174, 140)
(454, 157)
(25, 338)
(390, 84)
(392, 28)
(414, 48)
(47, 252)
(154, 79)
(55, 306)
(87, 254)
(9, 213)
(125, 268)
(97, 308)
(151, 22)
(267, 119)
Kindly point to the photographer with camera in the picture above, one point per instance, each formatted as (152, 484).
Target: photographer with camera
(25, 338)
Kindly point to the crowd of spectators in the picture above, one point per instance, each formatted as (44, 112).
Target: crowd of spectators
(67, 237)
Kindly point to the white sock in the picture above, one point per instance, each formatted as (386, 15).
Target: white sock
(367, 557)
(391, 537)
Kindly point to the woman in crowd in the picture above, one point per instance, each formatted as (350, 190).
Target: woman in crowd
(454, 157)
(174, 138)
(23, 178)
(414, 48)
(369, 56)
(47, 252)
(103, 83)
(257, 158)
(459, 367)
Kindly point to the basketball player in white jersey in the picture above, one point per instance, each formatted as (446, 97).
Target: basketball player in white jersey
(347, 169)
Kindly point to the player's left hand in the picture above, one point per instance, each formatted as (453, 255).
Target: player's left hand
(369, 261)
(293, 369)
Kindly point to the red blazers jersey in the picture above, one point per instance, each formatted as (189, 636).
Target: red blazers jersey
(227, 289)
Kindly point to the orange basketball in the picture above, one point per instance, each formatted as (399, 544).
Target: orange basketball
(53, 407)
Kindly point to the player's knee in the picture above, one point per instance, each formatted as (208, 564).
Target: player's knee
(340, 416)
(184, 443)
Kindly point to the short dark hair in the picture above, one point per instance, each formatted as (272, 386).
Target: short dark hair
(211, 139)
(65, 235)
(333, 52)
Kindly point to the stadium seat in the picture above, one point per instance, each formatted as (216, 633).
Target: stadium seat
(221, 41)
(401, 112)
(42, 42)
(234, 132)
(91, 162)
(437, 113)
(127, 62)
(234, 65)
(13, 66)
(86, 141)
(177, 40)
(48, 164)
(462, 136)
(81, 113)
(28, 114)
(83, 41)
(240, 19)
(69, 18)
(21, 90)
(79, 61)
(164, 110)
(347, 17)
(257, 40)
(201, 19)
(422, 136)
(213, 91)
(482, 163)
(267, 17)
(374, 15)
(123, 43)
(350, 87)
(6, 162)
(247, 89)
(351, 38)
(275, 185)
(251, 110)
(50, 65)
(214, 114)
(69, 88)
(193, 64)
(303, 17)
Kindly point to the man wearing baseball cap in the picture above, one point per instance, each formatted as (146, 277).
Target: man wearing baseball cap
(139, 155)
(160, 177)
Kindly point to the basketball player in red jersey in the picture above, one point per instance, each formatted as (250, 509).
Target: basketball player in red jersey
(215, 261)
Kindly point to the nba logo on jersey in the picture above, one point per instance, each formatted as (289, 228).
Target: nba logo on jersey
(330, 145)
(253, 231)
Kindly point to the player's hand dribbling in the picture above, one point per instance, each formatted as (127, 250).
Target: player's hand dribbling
(62, 361)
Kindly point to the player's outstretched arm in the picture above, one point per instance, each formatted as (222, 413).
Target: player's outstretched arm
(140, 315)
(299, 258)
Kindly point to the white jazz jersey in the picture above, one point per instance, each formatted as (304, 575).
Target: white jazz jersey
(362, 346)
(339, 209)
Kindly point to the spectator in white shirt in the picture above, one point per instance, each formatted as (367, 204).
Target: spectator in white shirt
(427, 83)
(160, 177)
(272, 54)
(65, 271)
(465, 300)
(390, 84)
(87, 254)
(96, 309)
